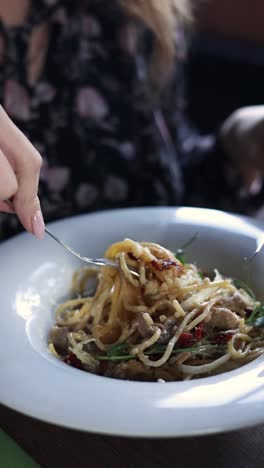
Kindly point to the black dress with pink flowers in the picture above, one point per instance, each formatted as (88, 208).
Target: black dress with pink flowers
(103, 145)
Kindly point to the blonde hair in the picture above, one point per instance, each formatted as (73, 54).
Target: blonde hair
(164, 18)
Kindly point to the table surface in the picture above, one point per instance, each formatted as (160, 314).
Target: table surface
(55, 447)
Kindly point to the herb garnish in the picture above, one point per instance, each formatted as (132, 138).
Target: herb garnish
(119, 352)
(180, 257)
(256, 319)
(239, 284)
(179, 254)
(118, 349)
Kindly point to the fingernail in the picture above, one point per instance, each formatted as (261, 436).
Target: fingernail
(38, 225)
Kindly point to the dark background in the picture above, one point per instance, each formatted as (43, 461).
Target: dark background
(226, 66)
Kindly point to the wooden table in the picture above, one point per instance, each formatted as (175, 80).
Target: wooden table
(54, 447)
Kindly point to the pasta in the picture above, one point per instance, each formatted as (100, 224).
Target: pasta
(169, 323)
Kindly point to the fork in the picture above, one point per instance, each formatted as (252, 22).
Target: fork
(93, 261)
(260, 244)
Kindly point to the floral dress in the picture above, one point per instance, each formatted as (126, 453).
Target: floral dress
(103, 145)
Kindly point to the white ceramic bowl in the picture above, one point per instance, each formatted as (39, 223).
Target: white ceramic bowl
(35, 275)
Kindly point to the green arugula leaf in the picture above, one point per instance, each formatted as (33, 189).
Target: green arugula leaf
(204, 348)
(256, 319)
(117, 350)
(180, 252)
(239, 284)
(259, 323)
(190, 241)
(180, 257)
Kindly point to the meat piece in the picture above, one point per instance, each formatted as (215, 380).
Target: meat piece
(170, 322)
(176, 361)
(142, 327)
(236, 302)
(131, 370)
(59, 337)
(222, 318)
(168, 328)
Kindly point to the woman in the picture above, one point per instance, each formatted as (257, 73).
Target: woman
(97, 87)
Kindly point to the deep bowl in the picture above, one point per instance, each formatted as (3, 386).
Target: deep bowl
(35, 275)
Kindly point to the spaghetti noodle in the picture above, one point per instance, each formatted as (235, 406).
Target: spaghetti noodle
(170, 323)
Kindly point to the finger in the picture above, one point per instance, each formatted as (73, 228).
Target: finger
(26, 201)
(4, 207)
(26, 161)
(8, 180)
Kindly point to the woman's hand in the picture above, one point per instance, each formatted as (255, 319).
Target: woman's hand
(20, 165)
(242, 135)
